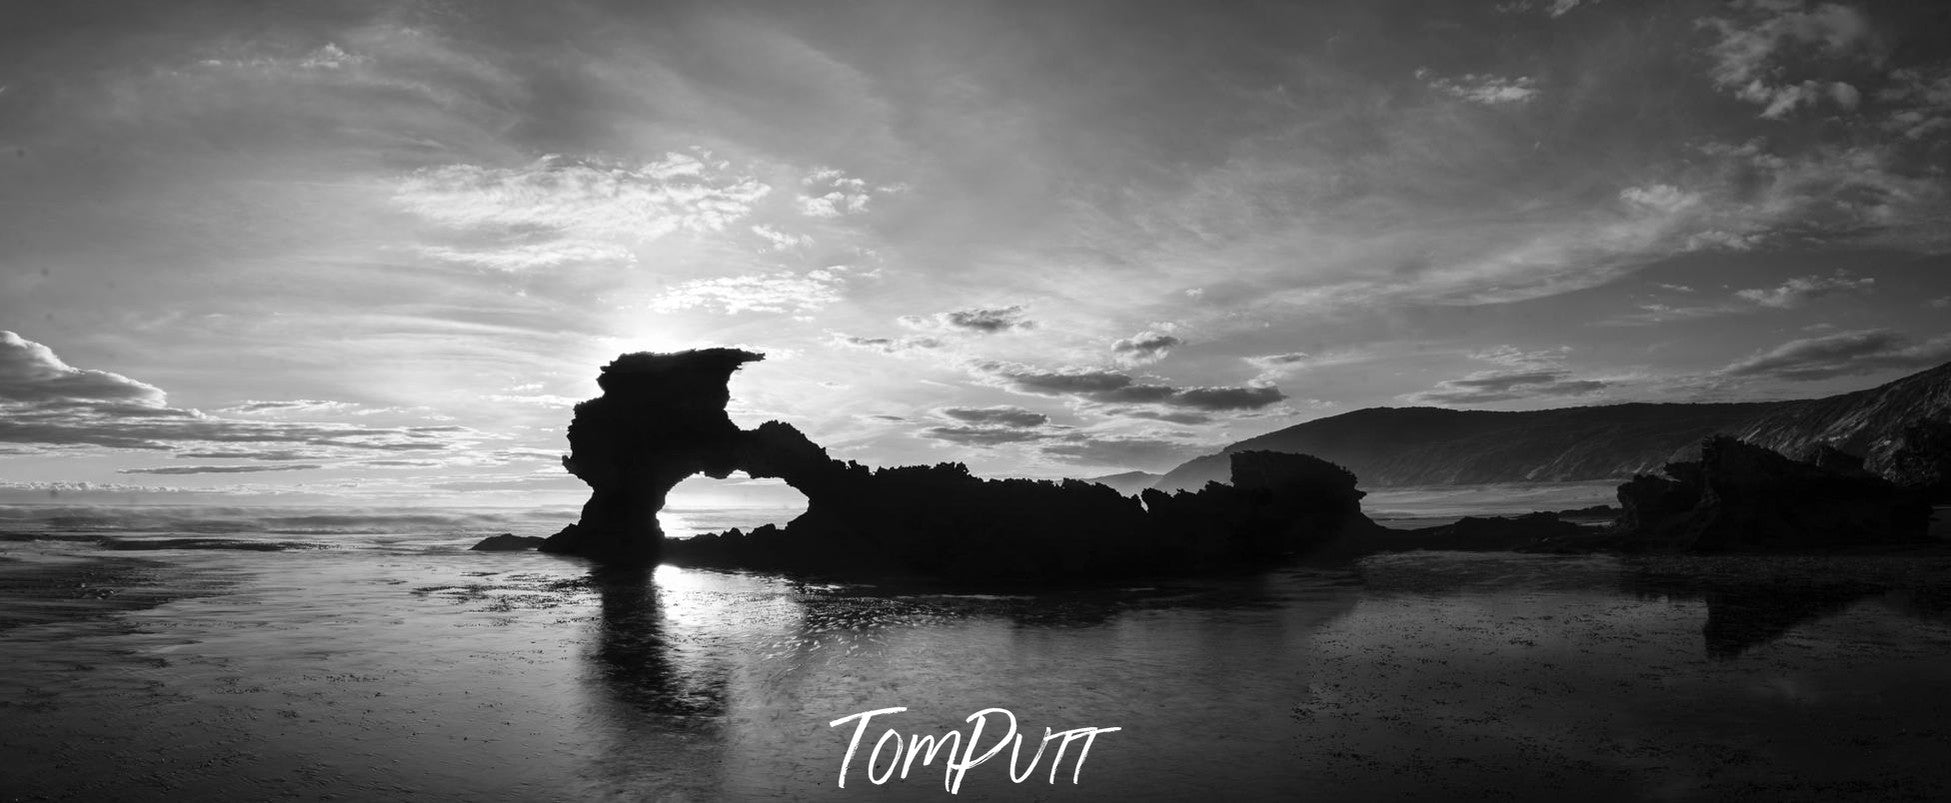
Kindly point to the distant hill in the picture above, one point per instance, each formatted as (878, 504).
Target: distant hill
(1390, 446)
(1128, 483)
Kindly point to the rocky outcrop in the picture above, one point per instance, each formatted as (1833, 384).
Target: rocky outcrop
(662, 418)
(941, 521)
(1742, 497)
(1391, 447)
(508, 542)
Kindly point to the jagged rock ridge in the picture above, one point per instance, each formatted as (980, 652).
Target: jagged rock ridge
(1430, 446)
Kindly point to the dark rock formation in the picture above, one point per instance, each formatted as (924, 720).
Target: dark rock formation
(941, 521)
(508, 542)
(1741, 497)
(661, 418)
(1391, 447)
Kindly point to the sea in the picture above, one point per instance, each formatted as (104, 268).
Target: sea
(260, 653)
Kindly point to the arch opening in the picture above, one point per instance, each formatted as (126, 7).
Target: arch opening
(702, 504)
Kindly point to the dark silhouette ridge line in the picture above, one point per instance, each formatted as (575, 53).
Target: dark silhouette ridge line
(662, 419)
(1900, 428)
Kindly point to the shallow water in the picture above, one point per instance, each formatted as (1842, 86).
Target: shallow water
(404, 666)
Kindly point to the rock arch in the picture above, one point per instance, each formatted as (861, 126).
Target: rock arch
(661, 419)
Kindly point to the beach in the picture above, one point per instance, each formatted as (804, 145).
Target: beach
(401, 665)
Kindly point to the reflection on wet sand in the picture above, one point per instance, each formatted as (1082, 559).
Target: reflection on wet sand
(1750, 600)
(658, 704)
(1753, 601)
(451, 675)
(636, 664)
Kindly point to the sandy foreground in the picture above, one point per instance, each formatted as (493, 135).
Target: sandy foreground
(245, 668)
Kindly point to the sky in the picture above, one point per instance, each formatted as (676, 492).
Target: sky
(369, 251)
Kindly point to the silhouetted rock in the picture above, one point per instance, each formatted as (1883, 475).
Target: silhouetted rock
(1743, 497)
(661, 419)
(508, 542)
(942, 521)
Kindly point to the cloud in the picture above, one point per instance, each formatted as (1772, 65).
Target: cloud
(885, 345)
(1800, 290)
(783, 291)
(1060, 383)
(1842, 354)
(829, 193)
(1115, 387)
(1145, 347)
(534, 256)
(1919, 101)
(1553, 9)
(31, 374)
(1004, 415)
(46, 401)
(1767, 193)
(1121, 451)
(1664, 198)
(1164, 415)
(1270, 361)
(1482, 89)
(588, 205)
(246, 469)
(779, 240)
(289, 406)
(983, 436)
(1227, 398)
(991, 426)
(981, 320)
(1791, 294)
(1751, 59)
(279, 455)
(1523, 375)
(537, 399)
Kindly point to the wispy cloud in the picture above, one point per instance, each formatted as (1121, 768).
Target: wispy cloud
(885, 345)
(1520, 375)
(1751, 54)
(1800, 290)
(1104, 386)
(1482, 88)
(782, 291)
(48, 402)
(979, 320)
(830, 193)
(587, 209)
(244, 469)
(1145, 347)
(1793, 293)
(1849, 353)
(1003, 415)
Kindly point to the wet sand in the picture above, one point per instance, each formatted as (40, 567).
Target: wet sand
(404, 667)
